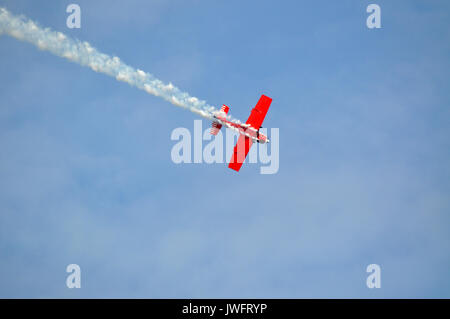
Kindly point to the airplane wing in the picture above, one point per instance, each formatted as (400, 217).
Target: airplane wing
(240, 152)
(259, 112)
(244, 143)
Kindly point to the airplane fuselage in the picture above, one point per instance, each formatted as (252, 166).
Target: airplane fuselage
(244, 129)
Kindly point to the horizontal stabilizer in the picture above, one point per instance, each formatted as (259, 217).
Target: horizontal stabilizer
(215, 127)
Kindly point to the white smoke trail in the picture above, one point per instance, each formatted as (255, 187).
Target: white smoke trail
(84, 54)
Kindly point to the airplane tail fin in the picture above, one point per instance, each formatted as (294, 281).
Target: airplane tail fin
(215, 127)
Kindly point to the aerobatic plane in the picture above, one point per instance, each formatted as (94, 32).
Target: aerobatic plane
(249, 132)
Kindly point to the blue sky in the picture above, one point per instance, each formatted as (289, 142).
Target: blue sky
(86, 175)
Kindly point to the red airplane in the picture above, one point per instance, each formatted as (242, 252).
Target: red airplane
(249, 132)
